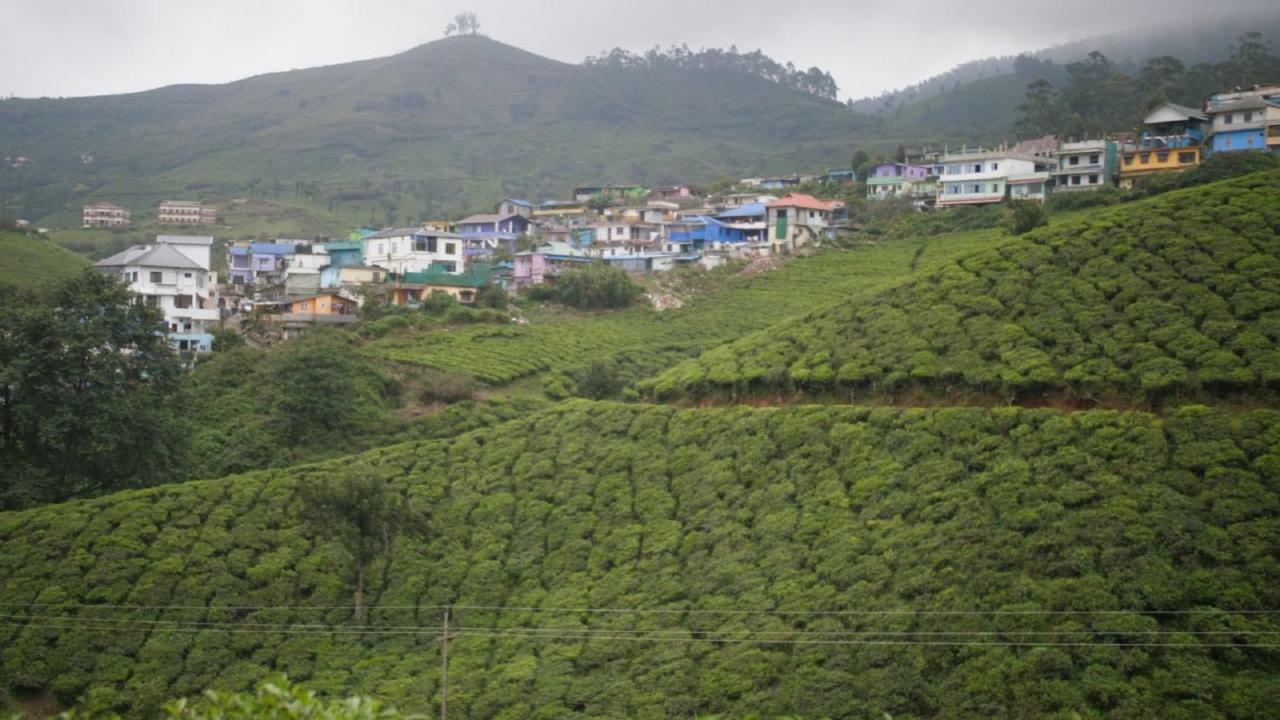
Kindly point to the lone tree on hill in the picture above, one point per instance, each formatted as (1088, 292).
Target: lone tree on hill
(363, 515)
(464, 23)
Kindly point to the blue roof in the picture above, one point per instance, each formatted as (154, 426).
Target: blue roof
(748, 210)
(272, 249)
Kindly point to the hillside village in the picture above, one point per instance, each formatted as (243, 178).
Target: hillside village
(298, 283)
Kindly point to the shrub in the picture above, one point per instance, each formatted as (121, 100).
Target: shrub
(1023, 216)
(540, 293)
(448, 388)
(492, 296)
(598, 380)
(597, 286)
(438, 303)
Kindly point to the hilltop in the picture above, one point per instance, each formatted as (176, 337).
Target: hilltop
(1166, 297)
(437, 130)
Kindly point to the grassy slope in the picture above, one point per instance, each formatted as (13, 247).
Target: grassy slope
(1178, 293)
(33, 262)
(792, 510)
(502, 354)
(445, 128)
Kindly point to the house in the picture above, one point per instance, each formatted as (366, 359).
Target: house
(406, 250)
(798, 219)
(1085, 165)
(302, 271)
(1172, 141)
(485, 233)
(702, 232)
(514, 206)
(1239, 120)
(840, 177)
(167, 277)
(412, 288)
(777, 183)
(239, 264)
(671, 192)
(977, 177)
(349, 276)
(1044, 146)
(345, 254)
(197, 247)
(750, 220)
(542, 265)
(183, 212)
(570, 214)
(328, 303)
(659, 211)
(104, 214)
(733, 200)
(895, 179)
(625, 232)
(268, 262)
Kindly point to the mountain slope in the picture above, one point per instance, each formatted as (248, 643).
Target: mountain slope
(435, 129)
(1175, 294)
(819, 562)
(27, 262)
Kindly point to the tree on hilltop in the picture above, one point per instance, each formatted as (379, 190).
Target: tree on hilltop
(464, 23)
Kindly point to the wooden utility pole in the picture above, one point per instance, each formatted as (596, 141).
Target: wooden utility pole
(444, 668)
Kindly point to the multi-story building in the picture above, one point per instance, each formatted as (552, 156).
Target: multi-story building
(1172, 141)
(980, 177)
(104, 214)
(185, 212)
(173, 275)
(406, 250)
(895, 179)
(1244, 120)
(1085, 165)
(797, 219)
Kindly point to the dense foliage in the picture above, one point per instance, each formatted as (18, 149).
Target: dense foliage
(814, 81)
(87, 384)
(1175, 294)
(1098, 97)
(821, 561)
(597, 286)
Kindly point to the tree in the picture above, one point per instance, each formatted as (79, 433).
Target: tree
(87, 393)
(1251, 61)
(362, 515)
(599, 285)
(1025, 216)
(276, 699)
(464, 23)
(600, 202)
(1036, 113)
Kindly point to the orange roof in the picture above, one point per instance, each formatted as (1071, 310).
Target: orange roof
(808, 202)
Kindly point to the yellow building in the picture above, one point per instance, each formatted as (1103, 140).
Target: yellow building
(1141, 163)
(323, 304)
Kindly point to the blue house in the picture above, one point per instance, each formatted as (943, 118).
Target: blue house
(702, 232)
(749, 219)
(1239, 119)
(490, 230)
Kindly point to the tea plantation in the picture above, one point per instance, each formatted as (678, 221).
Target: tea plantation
(612, 560)
(1174, 296)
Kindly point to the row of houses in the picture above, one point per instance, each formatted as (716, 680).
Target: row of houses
(169, 212)
(1173, 138)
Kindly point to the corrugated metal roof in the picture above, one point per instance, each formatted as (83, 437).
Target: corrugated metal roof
(150, 255)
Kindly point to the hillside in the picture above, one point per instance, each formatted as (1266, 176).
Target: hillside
(820, 562)
(30, 262)
(438, 130)
(1142, 302)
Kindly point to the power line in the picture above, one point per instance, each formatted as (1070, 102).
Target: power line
(161, 625)
(595, 637)
(648, 611)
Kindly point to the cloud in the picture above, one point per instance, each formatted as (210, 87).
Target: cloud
(72, 47)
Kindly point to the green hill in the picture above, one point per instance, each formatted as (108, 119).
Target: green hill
(1173, 295)
(606, 560)
(30, 262)
(441, 129)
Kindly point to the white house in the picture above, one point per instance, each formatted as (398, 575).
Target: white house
(798, 219)
(406, 250)
(165, 276)
(987, 176)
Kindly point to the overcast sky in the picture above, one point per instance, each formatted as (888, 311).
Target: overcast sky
(94, 47)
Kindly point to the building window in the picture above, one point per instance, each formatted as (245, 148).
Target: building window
(1075, 179)
(1163, 156)
(1186, 158)
(995, 166)
(1228, 119)
(304, 306)
(1093, 179)
(157, 277)
(1094, 159)
(1075, 160)
(995, 188)
(1145, 158)
(450, 249)
(1128, 160)
(1248, 117)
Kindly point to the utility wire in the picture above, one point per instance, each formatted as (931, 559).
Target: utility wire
(593, 637)
(161, 624)
(643, 611)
